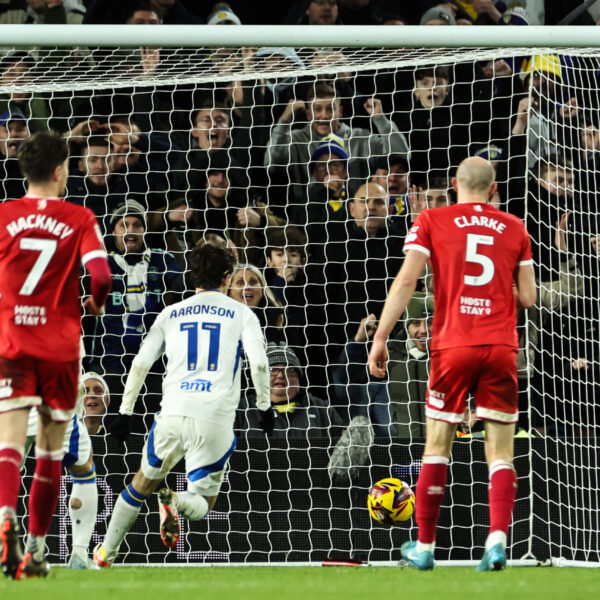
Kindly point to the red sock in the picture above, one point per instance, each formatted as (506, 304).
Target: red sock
(502, 493)
(430, 493)
(44, 491)
(10, 478)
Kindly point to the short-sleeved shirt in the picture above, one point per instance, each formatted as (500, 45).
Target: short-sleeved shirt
(474, 250)
(43, 244)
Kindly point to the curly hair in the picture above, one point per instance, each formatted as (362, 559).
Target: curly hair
(210, 264)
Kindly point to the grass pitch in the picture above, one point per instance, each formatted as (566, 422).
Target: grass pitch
(307, 583)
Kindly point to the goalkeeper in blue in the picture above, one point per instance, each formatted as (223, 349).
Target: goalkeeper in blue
(202, 338)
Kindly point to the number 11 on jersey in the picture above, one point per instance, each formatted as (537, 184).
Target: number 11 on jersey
(213, 344)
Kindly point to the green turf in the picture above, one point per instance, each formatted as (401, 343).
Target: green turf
(307, 583)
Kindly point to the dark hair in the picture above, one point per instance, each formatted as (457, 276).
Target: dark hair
(321, 89)
(130, 7)
(434, 72)
(436, 180)
(17, 58)
(209, 265)
(96, 140)
(211, 104)
(41, 154)
(290, 238)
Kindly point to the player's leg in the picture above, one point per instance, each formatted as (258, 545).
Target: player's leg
(207, 451)
(449, 384)
(13, 429)
(431, 487)
(83, 503)
(57, 382)
(126, 510)
(161, 453)
(497, 403)
(18, 393)
(43, 495)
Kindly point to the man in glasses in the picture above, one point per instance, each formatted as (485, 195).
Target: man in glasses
(298, 414)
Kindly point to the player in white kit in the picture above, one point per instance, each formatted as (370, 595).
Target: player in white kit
(79, 463)
(202, 337)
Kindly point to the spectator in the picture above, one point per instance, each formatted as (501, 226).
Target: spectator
(218, 205)
(391, 173)
(549, 114)
(321, 12)
(292, 149)
(438, 130)
(211, 131)
(222, 14)
(364, 260)
(95, 402)
(357, 393)
(16, 68)
(13, 131)
(144, 281)
(140, 159)
(170, 12)
(408, 367)
(92, 184)
(438, 15)
(55, 12)
(248, 286)
(298, 414)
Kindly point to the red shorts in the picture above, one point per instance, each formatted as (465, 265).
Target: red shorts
(32, 382)
(489, 373)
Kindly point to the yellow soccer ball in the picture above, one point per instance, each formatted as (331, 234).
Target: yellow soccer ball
(390, 501)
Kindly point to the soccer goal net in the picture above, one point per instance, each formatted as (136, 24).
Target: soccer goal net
(310, 151)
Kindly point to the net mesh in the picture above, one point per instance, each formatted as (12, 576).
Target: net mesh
(251, 147)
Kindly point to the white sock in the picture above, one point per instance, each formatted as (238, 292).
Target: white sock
(421, 547)
(495, 537)
(36, 544)
(192, 506)
(83, 519)
(123, 517)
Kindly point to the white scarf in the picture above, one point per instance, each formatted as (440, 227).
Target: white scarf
(134, 298)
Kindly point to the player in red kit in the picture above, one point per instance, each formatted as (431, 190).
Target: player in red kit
(482, 266)
(44, 241)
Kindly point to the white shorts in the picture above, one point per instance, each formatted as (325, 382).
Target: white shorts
(205, 446)
(77, 446)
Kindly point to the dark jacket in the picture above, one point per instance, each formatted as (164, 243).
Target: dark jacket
(311, 419)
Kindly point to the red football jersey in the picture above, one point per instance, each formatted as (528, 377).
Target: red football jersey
(43, 243)
(474, 250)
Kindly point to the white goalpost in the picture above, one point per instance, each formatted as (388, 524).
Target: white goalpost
(287, 124)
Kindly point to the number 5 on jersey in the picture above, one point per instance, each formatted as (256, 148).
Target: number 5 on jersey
(213, 344)
(472, 256)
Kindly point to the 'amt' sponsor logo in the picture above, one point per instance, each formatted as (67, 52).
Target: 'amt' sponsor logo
(196, 385)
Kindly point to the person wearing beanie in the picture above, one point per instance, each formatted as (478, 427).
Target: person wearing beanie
(144, 281)
(437, 15)
(298, 413)
(409, 366)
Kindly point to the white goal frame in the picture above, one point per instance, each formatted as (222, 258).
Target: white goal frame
(544, 39)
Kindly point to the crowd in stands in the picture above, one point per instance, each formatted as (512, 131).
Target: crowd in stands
(314, 181)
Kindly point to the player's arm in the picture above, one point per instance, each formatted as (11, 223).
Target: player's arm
(101, 283)
(150, 350)
(400, 293)
(93, 258)
(254, 346)
(525, 289)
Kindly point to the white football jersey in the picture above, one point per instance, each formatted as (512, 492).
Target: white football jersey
(203, 337)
